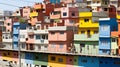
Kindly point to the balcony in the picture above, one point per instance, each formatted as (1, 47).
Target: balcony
(83, 37)
(30, 30)
(41, 41)
(7, 40)
(41, 31)
(60, 28)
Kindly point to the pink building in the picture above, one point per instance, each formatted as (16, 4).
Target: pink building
(60, 38)
(15, 58)
(70, 61)
(68, 1)
(30, 38)
(25, 11)
(8, 24)
(70, 15)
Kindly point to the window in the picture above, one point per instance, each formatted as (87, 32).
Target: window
(36, 57)
(100, 62)
(71, 22)
(104, 43)
(117, 63)
(22, 36)
(53, 45)
(95, 32)
(82, 32)
(113, 40)
(104, 51)
(52, 33)
(73, 13)
(43, 36)
(86, 20)
(64, 14)
(8, 24)
(23, 45)
(31, 36)
(87, 47)
(62, 32)
(94, 46)
(38, 36)
(61, 46)
(84, 61)
(104, 28)
(60, 60)
(105, 9)
(53, 58)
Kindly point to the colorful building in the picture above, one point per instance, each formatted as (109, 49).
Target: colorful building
(86, 41)
(60, 38)
(16, 28)
(107, 25)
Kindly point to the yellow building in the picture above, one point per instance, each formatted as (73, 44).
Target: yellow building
(86, 26)
(56, 61)
(7, 55)
(33, 14)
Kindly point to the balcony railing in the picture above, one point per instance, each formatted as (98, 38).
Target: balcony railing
(83, 37)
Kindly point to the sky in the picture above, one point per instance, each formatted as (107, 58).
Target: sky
(15, 4)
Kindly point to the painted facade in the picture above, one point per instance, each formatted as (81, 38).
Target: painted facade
(16, 28)
(106, 25)
(59, 41)
(86, 41)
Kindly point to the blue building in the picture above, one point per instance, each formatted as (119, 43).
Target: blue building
(109, 62)
(88, 61)
(54, 1)
(16, 26)
(106, 26)
(29, 59)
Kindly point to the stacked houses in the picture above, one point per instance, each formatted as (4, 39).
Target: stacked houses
(62, 33)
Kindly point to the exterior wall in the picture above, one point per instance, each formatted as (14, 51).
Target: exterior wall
(23, 63)
(26, 12)
(15, 57)
(38, 6)
(68, 1)
(86, 47)
(104, 46)
(76, 61)
(57, 36)
(114, 46)
(70, 61)
(40, 59)
(56, 46)
(54, 1)
(28, 58)
(16, 27)
(57, 39)
(85, 29)
(106, 62)
(59, 61)
(6, 22)
(7, 55)
(88, 61)
(87, 24)
(33, 18)
(71, 22)
(64, 10)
